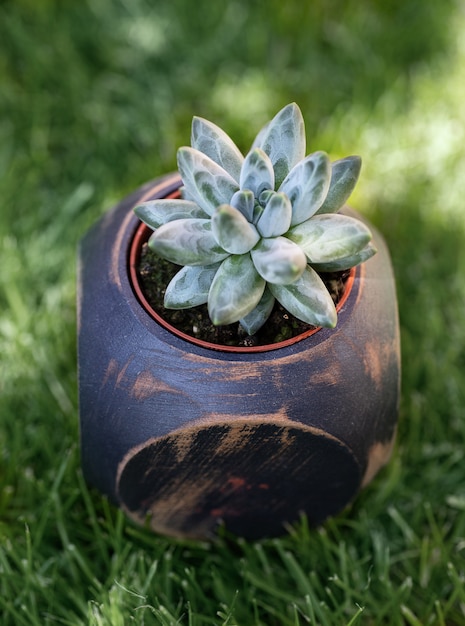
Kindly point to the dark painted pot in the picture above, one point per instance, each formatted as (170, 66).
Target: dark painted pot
(186, 436)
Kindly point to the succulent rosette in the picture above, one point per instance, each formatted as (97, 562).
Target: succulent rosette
(255, 229)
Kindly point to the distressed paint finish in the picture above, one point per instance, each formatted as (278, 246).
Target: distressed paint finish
(189, 436)
(250, 475)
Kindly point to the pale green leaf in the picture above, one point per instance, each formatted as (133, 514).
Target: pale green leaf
(346, 262)
(187, 242)
(236, 290)
(329, 237)
(206, 182)
(232, 231)
(216, 144)
(252, 322)
(279, 260)
(283, 140)
(257, 212)
(257, 172)
(154, 213)
(344, 177)
(276, 216)
(307, 299)
(185, 194)
(190, 286)
(306, 186)
(265, 196)
(244, 202)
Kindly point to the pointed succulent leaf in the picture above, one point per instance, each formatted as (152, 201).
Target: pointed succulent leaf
(257, 172)
(154, 213)
(236, 290)
(276, 217)
(279, 260)
(265, 196)
(187, 242)
(254, 320)
(346, 262)
(185, 194)
(306, 186)
(283, 140)
(257, 212)
(244, 202)
(206, 182)
(329, 237)
(190, 286)
(232, 231)
(307, 299)
(260, 138)
(216, 144)
(344, 176)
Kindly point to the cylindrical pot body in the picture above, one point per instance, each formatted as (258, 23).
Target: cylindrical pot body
(186, 437)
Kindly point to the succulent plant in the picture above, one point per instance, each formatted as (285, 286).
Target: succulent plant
(255, 229)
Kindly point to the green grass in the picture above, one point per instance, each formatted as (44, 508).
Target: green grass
(95, 97)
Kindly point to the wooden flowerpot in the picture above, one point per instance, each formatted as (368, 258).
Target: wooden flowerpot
(186, 436)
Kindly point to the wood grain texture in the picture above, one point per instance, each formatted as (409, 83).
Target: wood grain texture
(159, 415)
(254, 477)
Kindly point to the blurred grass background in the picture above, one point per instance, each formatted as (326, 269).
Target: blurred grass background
(95, 98)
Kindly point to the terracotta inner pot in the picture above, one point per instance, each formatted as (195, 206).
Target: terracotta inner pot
(142, 235)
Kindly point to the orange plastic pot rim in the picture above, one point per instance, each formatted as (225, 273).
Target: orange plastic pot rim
(140, 237)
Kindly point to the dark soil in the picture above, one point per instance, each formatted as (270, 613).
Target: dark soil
(155, 274)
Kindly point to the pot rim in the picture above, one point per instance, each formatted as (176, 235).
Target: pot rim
(140, 236)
